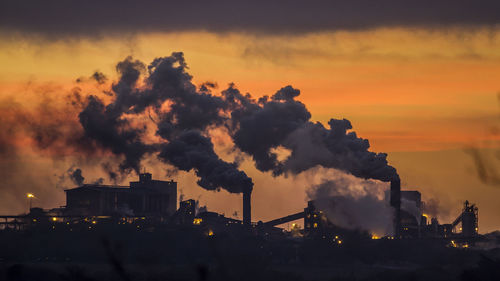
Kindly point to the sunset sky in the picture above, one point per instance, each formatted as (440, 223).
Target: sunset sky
(420, 81)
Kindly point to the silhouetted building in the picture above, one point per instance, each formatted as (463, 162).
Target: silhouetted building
(146, 197)
(410, 214)
(186, 212)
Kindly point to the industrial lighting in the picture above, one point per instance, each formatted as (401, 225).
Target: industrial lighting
(210, 232)
(197, 221)
(94, 222)
(54, 219)
(375, 237)
(30, 196)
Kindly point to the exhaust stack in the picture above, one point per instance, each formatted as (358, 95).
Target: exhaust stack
(247, 208)
(396, 204)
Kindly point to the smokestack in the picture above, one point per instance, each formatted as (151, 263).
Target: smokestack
(247, 208)
(396, 204)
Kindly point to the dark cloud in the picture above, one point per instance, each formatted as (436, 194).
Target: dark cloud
(336, 147)
(103, 125)
(181, 116)
(192, 151)
(281, 121)
(259, 127)
(69, 18)
(76, 176)
(99, 77)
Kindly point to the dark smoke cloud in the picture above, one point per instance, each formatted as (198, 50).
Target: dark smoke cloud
(281, 121)
(191, 111)
(102, 124)
(76, 176)
(99, 77)
(155, 110)
(70, 18)
(487, 161)
(338, 148)
(192, 151)
(257, 128)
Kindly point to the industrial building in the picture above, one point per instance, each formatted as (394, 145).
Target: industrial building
(154, 203)
(146, 197)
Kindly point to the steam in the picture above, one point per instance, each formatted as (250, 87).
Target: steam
(354, 203)
(411, 207)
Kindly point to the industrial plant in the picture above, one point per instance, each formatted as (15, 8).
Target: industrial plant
(150, 204)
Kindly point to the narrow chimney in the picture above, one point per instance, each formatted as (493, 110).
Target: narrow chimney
(247, 208)
(396, 204)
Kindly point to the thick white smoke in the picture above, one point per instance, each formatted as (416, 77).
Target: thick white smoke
(354, 203)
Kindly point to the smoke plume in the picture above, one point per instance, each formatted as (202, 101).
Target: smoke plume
(354, 203)
(155, 110)
(76, 176)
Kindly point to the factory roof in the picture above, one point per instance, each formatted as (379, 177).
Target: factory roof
(100, 187)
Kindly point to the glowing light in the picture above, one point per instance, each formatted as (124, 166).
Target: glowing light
(210, 232)
(197, 221)
(54, 219)
(339, 242)
(375, 237)
(425, 215)
(94, 222)
(30, 195)
(315, 225)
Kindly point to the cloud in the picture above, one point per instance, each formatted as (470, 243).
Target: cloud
(69, 18)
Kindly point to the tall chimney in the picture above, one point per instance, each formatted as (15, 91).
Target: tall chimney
(247, 208)
(396, 204)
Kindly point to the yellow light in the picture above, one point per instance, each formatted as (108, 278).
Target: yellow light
(339, 241)
(197, 221)
(30, 195)
(210, 232)
(336, 237)
(375, 237)
(315, 225)
(425, 215)
(94, 222)
(54, 219)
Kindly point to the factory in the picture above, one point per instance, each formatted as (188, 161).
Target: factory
(146, 197)
(153, 203)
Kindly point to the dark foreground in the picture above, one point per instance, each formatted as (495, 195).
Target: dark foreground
(187, 254)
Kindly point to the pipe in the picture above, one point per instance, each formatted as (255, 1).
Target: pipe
(247, 208)
(396, 204)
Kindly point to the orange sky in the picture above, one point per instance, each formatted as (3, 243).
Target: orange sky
(414, 93)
